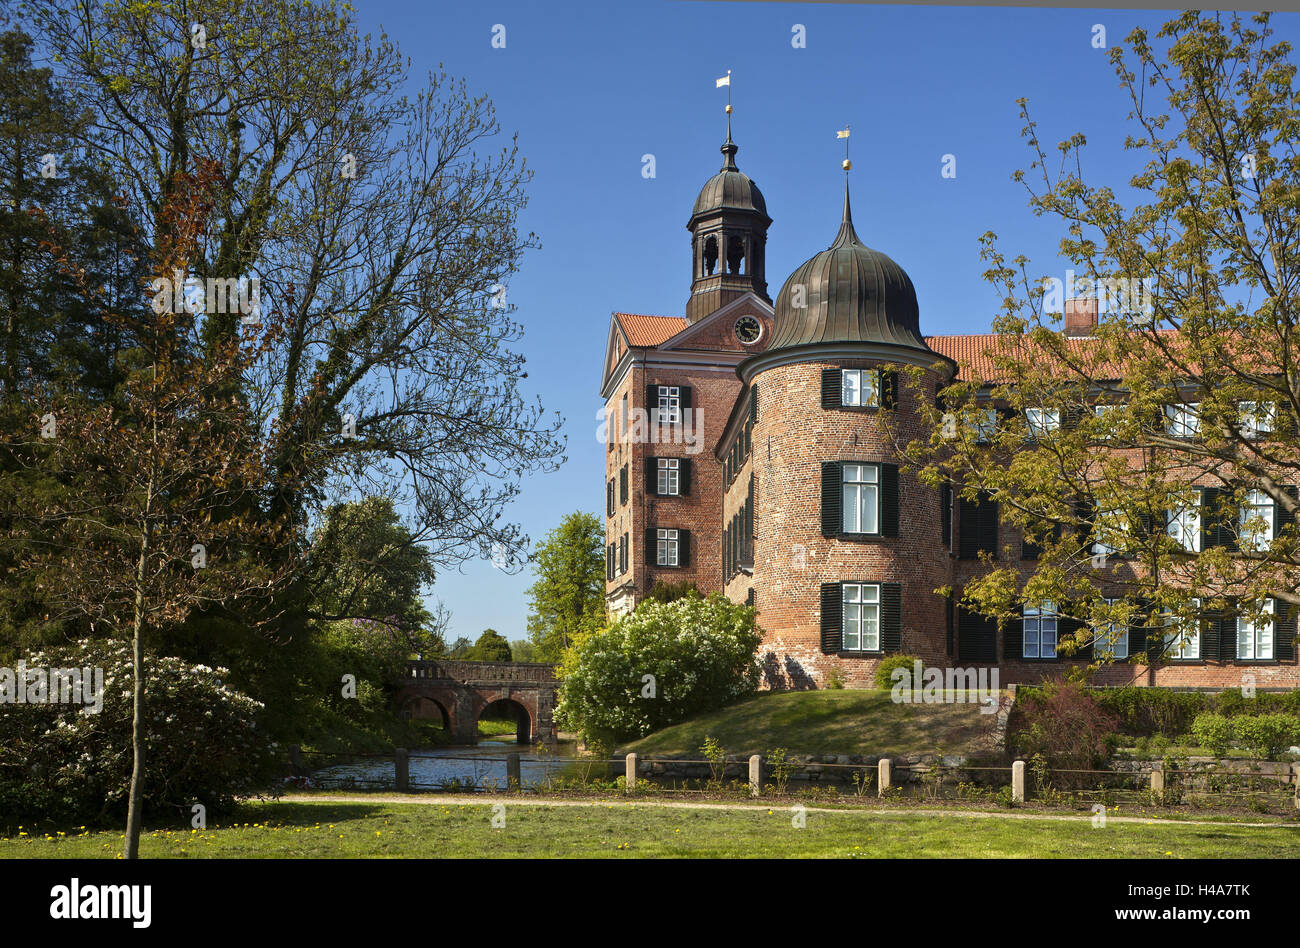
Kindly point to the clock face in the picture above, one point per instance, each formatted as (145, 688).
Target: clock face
(748, 329)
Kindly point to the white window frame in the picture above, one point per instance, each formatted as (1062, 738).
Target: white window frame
(1043, 619)
(860, 498)
(1118, 647)
(1042, 420)
(669, 477)
(1100, 411)
(670, 404)
(1109, 522)
(1183, 524)
(1256, 504)
(860, 388)
(1183, 420)
(1254, 639)
(860, 626)
(986, 425)
(1186, 632)
(1257, 418)
(667, 551)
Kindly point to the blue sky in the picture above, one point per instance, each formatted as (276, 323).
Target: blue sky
(592, 87)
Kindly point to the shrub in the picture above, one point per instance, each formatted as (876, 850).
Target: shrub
(660, 664)
(885, 670)
(1266, 735)
(1213, 732)
(1142, 712)
(1064, 724)
(201, 742)
(835, 680)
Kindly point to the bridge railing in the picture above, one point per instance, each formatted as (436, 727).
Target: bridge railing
(461, 670)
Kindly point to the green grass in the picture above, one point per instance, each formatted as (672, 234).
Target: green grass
(329, 829)
(497, 728)
(845, 721)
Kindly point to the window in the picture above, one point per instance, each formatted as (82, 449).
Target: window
(670, 404)
(1255, 530)
(1109, 530)
(1257, 418)
(1183, 420)
(860, 388)
(985, 424)
(669, 473)
(1040, 627)
(1255, 639)
(622, 554)
(977, 526)
(1184, 525)
(611, 557)
(609, 498)
(1042, 420)
(666, 548)
(861, 488)
(1111, 637)
(1185, 638)
(622, 485)
(861, 617)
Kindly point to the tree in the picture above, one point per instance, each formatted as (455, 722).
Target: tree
(523, 650)
(660, 664)
(376, 225)
(151, 521)
(568, 596)
(490, 647)
(1194, 360)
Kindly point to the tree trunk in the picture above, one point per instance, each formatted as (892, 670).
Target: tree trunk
(132, 846)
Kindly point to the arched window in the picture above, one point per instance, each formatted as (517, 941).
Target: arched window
(735, 254)
(710, 255)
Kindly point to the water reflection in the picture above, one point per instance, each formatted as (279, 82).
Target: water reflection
(449, 768)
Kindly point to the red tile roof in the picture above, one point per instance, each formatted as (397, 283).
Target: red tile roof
(645, 330)
(974, 352)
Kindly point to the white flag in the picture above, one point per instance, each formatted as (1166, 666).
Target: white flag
(844, 133)
(724, 81)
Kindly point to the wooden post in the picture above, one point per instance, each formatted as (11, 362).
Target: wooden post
(402, 762)
(1295, 784)
(512, 770)
(755, 775)
(1158, 780)
(882, 769)
(631, 773)
(1018, 782)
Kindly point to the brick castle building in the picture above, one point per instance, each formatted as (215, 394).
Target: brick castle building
(747, 453)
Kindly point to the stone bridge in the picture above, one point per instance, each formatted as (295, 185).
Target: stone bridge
(459, 692)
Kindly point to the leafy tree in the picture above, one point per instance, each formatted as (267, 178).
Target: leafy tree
(523, 650)
(490, 647)
(460, 648)
(568, 596)
(660, 664)
(1199, 310)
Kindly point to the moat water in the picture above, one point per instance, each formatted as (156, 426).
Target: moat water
(481, 767)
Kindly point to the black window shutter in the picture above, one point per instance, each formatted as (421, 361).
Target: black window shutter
(1069, 625)
(1284, 631)
(1213, 529)
(652, 403)
(685, 400)
(753, 404)
(622, 485)
(1070, 417)
(609, 562)
(889, 500)
(832, 391)
(832, 499)
(749, 597)
(888, 389)
(652, 477)
(1219, 638)
(945, 514)
(988, 525)
(651, 553)
(1029, 550)
(967, 528)
(1280, 518)
(891, 617)
(750, 506)
(832, 618)
(684, 477)
(1137, 633)
(683, 548)
(1013, 639)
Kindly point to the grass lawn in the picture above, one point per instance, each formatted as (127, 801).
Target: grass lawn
(616, 829)
(825, 721)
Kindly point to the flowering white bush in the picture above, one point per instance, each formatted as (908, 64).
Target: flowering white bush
(202, 746)
(699, 654)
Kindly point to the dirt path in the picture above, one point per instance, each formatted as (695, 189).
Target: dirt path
(482, 799)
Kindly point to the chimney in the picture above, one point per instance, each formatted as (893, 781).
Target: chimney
(1080, 316)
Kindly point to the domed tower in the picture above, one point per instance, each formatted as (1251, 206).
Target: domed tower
(848, 549)
(728, 228)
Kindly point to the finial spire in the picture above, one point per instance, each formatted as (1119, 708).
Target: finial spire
(847, 235)
(728, 147)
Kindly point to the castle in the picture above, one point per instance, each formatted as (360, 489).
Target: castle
(747, 453)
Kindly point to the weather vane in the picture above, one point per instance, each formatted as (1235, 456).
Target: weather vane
(844, 134)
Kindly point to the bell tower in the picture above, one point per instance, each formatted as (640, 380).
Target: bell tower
(728, 238)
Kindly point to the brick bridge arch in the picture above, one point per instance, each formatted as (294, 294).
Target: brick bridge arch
(459, 691)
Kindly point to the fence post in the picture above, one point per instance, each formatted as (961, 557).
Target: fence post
(1295, 783)
(755, 775)
(631, 772)
(1157, 780)
(1018, 782)
(402, 762)
(512, 770)
(882, 769)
